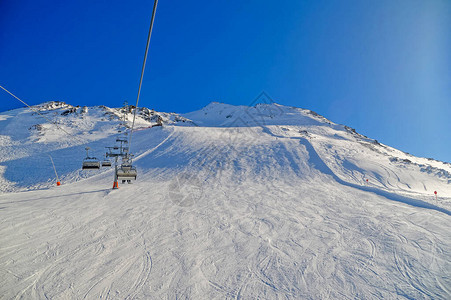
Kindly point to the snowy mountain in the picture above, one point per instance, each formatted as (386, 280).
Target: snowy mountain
(28, 137)
(235, 202)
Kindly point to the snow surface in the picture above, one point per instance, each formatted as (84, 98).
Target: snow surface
(233, 202)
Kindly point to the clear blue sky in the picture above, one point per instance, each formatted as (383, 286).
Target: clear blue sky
(380, 66)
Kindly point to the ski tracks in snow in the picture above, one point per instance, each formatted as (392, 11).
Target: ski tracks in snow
(268, 225)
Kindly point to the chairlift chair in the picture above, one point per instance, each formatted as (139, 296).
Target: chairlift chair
(106, 163)
(126, 172)
(90, 163)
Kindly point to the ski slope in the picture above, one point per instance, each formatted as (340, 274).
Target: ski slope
(233, 202)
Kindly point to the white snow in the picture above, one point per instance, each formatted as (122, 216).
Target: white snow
(240, 202)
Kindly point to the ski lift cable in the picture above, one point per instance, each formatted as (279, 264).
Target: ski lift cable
(90, 164)
(143, 68)
(36, 111)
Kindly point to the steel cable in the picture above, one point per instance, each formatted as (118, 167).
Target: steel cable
(142, 71)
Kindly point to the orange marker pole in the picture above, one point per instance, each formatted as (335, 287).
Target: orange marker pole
(115, 184)
(58, 183)
(435, 192)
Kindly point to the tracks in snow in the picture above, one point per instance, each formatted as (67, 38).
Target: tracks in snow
(256, 232)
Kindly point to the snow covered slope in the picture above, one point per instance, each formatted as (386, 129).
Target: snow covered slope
(344, 153)
(27, 138)
(240, 202)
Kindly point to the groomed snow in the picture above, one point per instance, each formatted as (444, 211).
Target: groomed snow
(269, 202)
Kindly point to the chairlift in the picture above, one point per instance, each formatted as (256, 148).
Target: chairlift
(123, 140)
(90, 163)
(126, 171)
(116, 151)
(106, 162)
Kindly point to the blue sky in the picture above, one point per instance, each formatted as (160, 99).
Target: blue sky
(382, 67)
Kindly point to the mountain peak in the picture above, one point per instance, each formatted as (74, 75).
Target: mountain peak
(220, 114)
